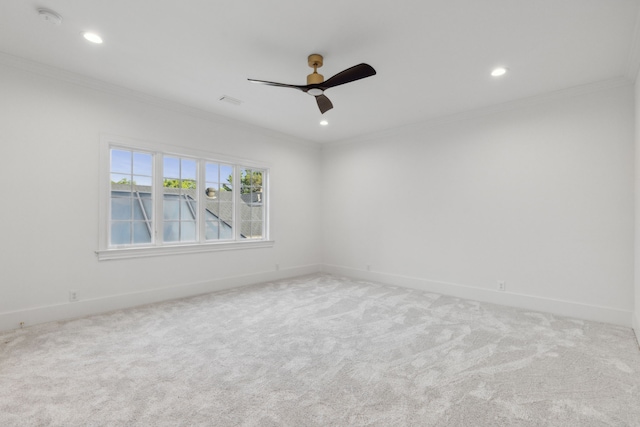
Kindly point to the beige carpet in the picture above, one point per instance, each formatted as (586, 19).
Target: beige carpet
(320, 351)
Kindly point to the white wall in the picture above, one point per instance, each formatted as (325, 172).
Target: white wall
(49, 156)
(636, 317)
(540, 196)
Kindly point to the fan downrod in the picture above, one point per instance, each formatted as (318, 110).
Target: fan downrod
(315, 61)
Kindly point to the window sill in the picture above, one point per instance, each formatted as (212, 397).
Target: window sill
(150, 251)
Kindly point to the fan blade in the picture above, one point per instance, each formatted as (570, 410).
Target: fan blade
(324, 103)
(352, 74)
(263, 82)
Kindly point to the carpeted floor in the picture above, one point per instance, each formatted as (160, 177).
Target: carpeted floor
(320, 351)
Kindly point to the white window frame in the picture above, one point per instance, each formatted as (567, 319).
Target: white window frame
(158, 247)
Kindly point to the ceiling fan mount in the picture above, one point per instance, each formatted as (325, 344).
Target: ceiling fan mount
(316, 86)
(315, 62)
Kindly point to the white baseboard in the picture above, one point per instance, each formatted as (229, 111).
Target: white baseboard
(33, 316)
(528, 302)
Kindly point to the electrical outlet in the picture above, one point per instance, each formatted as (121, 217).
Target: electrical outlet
(368, 267)
(73, 296)
(277, 267)
(502, 285)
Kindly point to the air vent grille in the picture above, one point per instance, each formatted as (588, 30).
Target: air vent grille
(230, 100)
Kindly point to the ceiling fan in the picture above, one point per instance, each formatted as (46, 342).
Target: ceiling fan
(316, 85)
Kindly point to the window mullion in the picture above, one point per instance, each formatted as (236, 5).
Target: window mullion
(236, 202)
(265, 204)
(200, 201)
(158, 200)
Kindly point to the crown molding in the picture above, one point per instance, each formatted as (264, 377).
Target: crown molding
(490, 109)
(121, 91)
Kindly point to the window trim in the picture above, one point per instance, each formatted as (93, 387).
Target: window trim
(157, 247)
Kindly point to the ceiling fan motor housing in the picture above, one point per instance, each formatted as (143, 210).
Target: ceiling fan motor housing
(315, 78)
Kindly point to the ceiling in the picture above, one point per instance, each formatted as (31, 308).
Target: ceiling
(433, 57)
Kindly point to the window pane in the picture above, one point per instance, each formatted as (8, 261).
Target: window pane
(245, 209)
(171, 167)
(141, 180)
(188, 231)
(212, 230)
(256, 179)
(138, 209)
(120, 182)
(188, 169)
(252, 183)
(171, 208)
(212, 190)
(256, 197)
(226, 230)
(187, 209)
(142, 164)
(245, 229)
(257, 213)
(171, 231)
(188, 184)
(245, 179)
(121, 194)
(121, 208)
(121, 161)
(147, 203)
(226, 174)
(256, 230)
(121, 233)
(218, 230)
(210, 213)
(141, 232)
(212, 210)
(225, 212)
(211, 172)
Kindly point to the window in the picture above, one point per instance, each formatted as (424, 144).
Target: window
(131, 197)
(219, 201)
(160, 201)
(179, 199)
(251, 220)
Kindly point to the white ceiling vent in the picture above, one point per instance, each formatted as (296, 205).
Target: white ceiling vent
(50, 16)
(230, 100)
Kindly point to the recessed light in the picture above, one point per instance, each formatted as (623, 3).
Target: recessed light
(324, 122)
(497, 72)
(92, 37)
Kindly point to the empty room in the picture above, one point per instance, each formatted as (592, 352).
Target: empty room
(348, 213)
